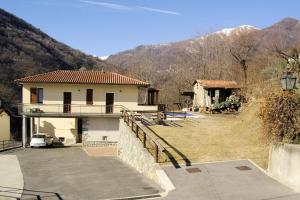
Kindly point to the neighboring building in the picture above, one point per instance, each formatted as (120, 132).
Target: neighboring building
(209, 92)
(4, 124)
(79, 106)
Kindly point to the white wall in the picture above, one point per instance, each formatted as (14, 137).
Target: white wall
(284, 164)
(125, 95)
(59, 127)
(199, 96)
(4, 126)
(96, 128)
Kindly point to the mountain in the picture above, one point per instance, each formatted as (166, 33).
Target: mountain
(245, 54)
(165, 56)
(26, 50)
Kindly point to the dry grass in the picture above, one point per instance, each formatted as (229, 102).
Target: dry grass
(218, 137)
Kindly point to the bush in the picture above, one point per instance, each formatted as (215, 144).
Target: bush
(280, 116)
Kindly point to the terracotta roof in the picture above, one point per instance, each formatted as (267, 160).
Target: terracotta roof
(81, 77)
(2, 110)
(217, 84)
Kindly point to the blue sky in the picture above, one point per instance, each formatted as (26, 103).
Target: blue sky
(103, 27)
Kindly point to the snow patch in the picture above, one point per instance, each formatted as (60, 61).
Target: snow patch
(103, 57)
(229, 31)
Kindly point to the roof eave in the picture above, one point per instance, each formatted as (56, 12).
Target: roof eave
(29, 82)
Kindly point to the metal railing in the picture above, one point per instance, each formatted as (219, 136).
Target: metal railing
(9, 144)
(68, 109)
(150, 142)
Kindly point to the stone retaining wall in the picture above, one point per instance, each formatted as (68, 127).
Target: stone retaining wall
(131, 151)
(284, 164)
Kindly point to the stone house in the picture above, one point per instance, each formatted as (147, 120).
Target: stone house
(209, 92)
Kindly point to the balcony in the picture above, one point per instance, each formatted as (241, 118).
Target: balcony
(69, 110)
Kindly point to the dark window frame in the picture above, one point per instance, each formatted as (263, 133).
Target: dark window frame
(36, 95)
(89, 96)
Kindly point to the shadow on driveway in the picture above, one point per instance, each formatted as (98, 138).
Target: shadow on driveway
(29, 194)
(68, 173)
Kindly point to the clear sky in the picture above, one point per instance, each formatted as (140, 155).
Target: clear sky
(103, 27)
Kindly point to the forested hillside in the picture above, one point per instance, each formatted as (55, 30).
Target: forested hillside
(237, 54)
(25, 50)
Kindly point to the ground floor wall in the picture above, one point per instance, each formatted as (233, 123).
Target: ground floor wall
(62, 129)
(94, 131)
(102, 131)
(284, 164)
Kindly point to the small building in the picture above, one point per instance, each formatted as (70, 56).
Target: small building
(209, 92)
(4, 124)
(80, 106)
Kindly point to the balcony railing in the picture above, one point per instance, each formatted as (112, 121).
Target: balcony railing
(68, 109)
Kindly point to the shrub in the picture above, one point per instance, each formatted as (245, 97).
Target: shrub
(280, 116)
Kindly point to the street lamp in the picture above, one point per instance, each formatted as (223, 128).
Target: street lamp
(288, 80)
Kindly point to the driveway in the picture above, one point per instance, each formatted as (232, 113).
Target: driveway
(68, 173)
(232, 180)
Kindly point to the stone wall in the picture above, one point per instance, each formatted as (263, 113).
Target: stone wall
(132, 152)
(284, 164)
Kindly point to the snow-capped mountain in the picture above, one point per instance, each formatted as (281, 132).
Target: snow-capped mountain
(166, 55)
(236, 30)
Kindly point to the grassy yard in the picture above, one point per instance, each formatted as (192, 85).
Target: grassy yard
(217, 137)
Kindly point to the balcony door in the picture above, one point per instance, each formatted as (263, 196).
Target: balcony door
(67, 102)
(109, 108)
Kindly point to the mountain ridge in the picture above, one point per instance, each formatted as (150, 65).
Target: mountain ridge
(280, 29)
(25, 50)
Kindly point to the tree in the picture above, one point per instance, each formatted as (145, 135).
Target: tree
(242, 49)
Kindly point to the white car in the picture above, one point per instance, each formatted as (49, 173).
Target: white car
(41, 140)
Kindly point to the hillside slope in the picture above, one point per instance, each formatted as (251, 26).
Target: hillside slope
(164, 56)
(25, 50)
(173, 67)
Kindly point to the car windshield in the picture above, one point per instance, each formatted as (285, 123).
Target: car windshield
(38, 136)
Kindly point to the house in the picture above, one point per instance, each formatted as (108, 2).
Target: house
(79, 106)
(209, 92)
(4, 124)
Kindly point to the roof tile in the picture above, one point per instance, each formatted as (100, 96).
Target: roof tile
(81, 77)
(218, 84)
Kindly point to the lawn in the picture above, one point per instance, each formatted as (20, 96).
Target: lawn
(217, 137)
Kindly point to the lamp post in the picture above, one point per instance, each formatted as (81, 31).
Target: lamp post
(288, 81)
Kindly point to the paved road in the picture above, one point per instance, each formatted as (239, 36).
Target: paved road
(68, 173)
(223, 181)
(11, 178)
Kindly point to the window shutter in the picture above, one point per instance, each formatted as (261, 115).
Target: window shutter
(33, 96)
(89, 96)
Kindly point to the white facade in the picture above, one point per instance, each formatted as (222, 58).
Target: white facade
(98, 127)
(101, 129)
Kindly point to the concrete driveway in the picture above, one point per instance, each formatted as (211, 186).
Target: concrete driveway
(232, 180)
(68, 173)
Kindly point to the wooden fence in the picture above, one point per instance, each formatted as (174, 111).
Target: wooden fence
(150, 142)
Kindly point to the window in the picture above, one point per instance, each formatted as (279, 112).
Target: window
(36, 95)
(89, 96)
(33, 95)
(40, 95)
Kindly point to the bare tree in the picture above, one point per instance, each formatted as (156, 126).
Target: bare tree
(242, 49)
